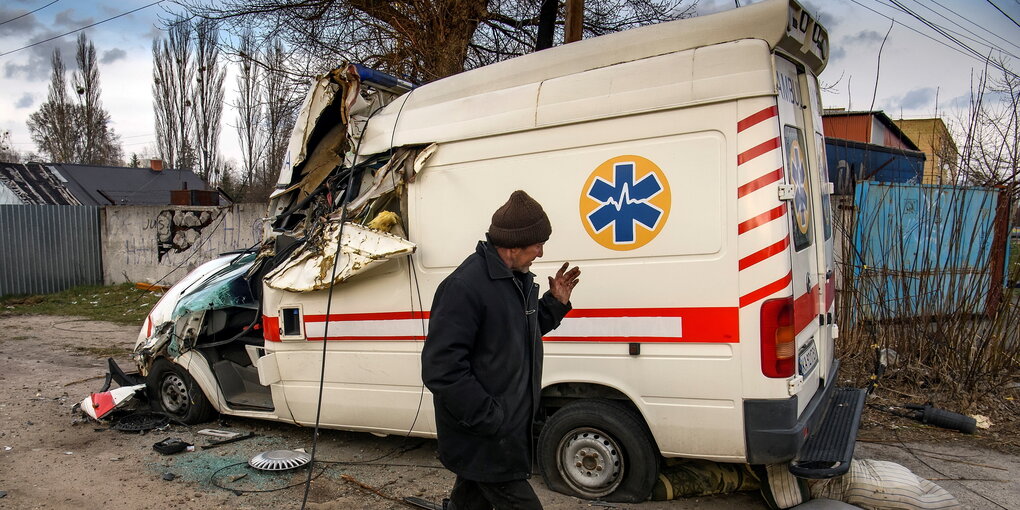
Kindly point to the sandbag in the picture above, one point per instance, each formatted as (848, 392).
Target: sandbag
(881, 485)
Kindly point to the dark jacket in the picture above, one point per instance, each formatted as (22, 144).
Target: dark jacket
(482, 362)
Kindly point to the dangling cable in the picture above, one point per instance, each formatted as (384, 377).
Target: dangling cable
(329, 296)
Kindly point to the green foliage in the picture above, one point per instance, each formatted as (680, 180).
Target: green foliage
(122, 304)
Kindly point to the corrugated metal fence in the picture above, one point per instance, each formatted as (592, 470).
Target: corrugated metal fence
(48, 248)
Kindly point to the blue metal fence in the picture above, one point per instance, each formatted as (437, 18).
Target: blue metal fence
(48, 248)
(924, 250)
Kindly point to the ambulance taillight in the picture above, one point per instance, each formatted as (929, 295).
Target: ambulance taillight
(778, 338)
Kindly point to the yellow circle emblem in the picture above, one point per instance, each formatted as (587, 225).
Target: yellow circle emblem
(625, 203)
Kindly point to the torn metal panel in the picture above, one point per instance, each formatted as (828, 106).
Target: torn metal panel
(98, 405)
(329, 126)
(361, 249)
(399, 170)
(319, 97)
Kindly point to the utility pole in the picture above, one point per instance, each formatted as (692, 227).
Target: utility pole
(574, 21)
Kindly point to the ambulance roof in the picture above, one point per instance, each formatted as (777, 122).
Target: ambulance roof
(517, 94)
(768, 20)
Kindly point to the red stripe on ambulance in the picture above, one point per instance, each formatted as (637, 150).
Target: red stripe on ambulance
(691, 325)
(766, 291)
(755, 118)
(764, 253)
(757, 150)
(271, 328)
(761, 219)
(760, 182)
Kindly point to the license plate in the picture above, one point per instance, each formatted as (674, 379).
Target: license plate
(807, 358)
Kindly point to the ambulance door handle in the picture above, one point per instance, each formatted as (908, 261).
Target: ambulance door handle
(807, 282)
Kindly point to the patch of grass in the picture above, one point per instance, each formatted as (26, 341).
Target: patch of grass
(101, 352)
(122, 304)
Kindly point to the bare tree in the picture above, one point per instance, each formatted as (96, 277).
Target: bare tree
(172, 77)
(99, 144)
(208, 98)
(53, 126)
(250, 110)
(990, 153)
(282, 103)
(422, 40)
(75, 131)
(7, 152)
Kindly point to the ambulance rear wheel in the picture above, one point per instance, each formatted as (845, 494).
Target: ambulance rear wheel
(598, 449)
(173, 391)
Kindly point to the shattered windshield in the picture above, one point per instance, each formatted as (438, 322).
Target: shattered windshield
(223, 289)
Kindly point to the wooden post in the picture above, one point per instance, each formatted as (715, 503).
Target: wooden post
(572, 31)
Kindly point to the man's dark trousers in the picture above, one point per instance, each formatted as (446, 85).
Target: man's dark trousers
(512, 495)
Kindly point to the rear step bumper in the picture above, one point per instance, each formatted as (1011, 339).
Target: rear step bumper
(776, 434)
(830, 447)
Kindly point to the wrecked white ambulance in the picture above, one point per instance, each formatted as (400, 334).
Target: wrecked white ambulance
(681, 166)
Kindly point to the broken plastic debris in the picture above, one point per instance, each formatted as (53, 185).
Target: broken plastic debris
(169, 477)
(172, 445)
(98, 405)
(221, 434)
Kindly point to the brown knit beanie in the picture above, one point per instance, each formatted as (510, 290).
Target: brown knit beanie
(519, 222)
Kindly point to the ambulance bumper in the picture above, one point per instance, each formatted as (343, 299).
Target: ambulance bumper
(773, 431)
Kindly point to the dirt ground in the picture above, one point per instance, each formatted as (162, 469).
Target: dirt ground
(50, 459)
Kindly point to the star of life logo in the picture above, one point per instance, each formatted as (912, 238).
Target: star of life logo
(625, 203)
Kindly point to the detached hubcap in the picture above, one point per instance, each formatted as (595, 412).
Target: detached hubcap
(590, 461)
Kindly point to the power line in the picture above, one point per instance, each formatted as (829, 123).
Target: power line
(1004, 13)
(978, 40)
(908, 27)
(29, 12)
(960, 47)
(82, 28)
(945, 34)
(968, 20)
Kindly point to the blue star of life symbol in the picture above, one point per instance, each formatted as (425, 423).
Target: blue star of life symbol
(625, 203)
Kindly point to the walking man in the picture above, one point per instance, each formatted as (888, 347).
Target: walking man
(482, 359)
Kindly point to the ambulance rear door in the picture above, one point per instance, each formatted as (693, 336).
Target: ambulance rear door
(801, 186)
(825, 339)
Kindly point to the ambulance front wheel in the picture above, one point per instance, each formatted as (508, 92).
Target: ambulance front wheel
(598, 449)
(173, 391)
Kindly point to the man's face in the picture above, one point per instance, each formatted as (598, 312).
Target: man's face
(521, 258)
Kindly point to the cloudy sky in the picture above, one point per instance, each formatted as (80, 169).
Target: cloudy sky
(921, 72)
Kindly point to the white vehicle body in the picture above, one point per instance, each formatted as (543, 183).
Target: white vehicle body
(681, 166)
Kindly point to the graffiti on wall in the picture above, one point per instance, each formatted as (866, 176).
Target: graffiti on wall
(179, 230)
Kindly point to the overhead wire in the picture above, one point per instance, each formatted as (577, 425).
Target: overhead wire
(968, 20)
(972, 54)
(949, 36)
(29, 12)
(1004, 13)
(975, 39)
(121, 15)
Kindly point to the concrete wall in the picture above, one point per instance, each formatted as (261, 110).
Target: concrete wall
(161, 244)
